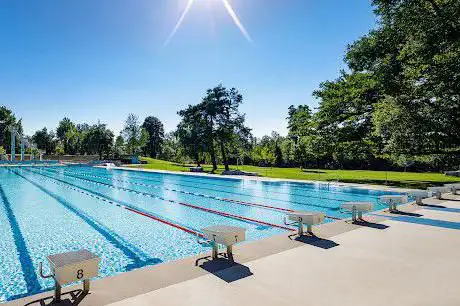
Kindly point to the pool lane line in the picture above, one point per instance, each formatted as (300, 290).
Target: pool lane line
(280, 209)
(284, 210)
(217, 212)
(231, 200)
(25, 260)
(243, 194)
(208, 210)
(111, 237)
(291, 184)
(187, 192)
(121, 204)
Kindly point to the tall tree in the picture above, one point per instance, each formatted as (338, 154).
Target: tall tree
(414, 55)
(98, 140)
(155, 130)
(119, 147)
(132, 133)
(191, 132)
(7, 120)
(67, 133)
(300, 121)
(220, 109)
(45, 140)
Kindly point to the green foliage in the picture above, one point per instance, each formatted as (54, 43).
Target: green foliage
(400, 96)
(97, 139)
(60, 149)
(7, 120)
(215, 122)
(300, 121)
(68, 135)
(132, 133)
(119, 147)
(3, 154)
(414, 55)
(155, 130)
(45, 140)
(172, 149)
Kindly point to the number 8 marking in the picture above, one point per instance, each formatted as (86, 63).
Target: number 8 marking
(80, 274)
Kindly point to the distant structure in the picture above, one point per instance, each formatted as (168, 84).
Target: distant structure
(24, 142)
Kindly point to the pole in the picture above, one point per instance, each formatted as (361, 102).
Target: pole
(22, 149)
(13, 144)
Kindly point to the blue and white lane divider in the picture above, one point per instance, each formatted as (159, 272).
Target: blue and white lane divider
(216, 212)
(120, 204)
(271, 207)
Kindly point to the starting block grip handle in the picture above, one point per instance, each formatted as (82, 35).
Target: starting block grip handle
(40, 268)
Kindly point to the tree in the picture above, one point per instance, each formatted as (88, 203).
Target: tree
(67, 133)
(98, 140)
(132, 134)
(223, 120)
(172, 148)
(45, 140)
(7, 120)
(191, 132)
(3, 154)
(119, 147)
(155, 130)
(345, 118)
(216, 121)
(414, 56)
(300, 121)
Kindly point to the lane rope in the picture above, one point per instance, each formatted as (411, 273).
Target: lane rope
(217, 212)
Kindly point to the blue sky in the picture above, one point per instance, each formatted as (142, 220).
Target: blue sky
(102, 59)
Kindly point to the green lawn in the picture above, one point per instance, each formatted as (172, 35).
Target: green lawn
(390, 178)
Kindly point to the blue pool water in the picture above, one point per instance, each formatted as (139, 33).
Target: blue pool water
(127, 217)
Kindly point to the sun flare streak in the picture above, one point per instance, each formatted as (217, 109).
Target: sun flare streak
(230, 11)
(179, 23)
(236, 20)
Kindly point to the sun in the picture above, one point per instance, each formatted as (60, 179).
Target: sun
(231, 12)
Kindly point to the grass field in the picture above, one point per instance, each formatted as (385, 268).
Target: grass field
(390, 178)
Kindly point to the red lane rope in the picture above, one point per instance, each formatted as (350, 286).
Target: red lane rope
(164, 221)
(257, 205)
(235, 216)
(187, 192)
(183, 228)
(217, 212)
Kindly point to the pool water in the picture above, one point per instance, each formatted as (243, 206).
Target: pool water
(133, 219)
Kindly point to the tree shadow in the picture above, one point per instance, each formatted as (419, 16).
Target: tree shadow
(313, 171)
(227, 270)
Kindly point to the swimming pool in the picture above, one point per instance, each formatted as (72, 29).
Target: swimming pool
(133, 219)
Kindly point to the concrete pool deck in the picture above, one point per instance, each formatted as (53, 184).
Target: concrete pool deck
(398, 259)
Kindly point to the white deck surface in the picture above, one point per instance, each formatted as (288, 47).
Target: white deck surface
(404, 264)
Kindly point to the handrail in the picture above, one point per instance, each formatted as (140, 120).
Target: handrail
(287, 223)
(40, 268)
(202, 241)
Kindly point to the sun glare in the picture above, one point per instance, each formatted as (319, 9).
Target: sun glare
(231, 12)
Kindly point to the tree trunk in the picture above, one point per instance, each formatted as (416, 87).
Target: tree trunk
(213, 158)
(211, 144)
(224, 156)
(197, 160)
